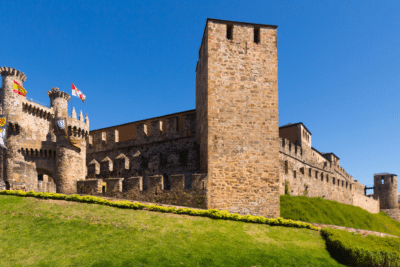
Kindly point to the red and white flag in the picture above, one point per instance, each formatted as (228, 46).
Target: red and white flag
(76, 92)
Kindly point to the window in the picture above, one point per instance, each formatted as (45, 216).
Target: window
(229, 32)
(294, 174)
(40, 177)
(256, 35)
(286, 167)
(382, 181)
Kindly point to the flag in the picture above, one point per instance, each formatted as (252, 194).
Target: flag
(63, 127)
(3, 127)
(76, 142)
(17, 88)
(2, 138)
(61, 124)
(76, 92)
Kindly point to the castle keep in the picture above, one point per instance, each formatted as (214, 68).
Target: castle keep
(229, 153)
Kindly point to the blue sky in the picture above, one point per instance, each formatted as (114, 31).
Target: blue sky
(338, 64)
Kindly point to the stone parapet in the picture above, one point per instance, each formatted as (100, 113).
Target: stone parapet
(296, 152)
(8, 71)
(144, 132)
(132, 188)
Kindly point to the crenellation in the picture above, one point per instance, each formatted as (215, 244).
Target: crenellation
(132, 188)
(106, 166)
(177, 182)
(156, 128)
(172, 126)
(93, 168)
(141, 132)
(155, 184)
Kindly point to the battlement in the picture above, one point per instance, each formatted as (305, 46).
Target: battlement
(8, 71)
(78, 128)
(178, 193)
(144, 132)
(56, 93)
(296, 152)
(37, 110)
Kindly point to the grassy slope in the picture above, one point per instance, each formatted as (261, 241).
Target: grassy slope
(319, 210)
(35, 232)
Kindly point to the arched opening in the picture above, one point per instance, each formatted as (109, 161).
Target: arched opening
(45, 181)
(7, 185)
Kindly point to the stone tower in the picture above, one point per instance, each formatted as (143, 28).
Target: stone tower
(237, 117)
(15, 170)
(385, 186)
(70, 160)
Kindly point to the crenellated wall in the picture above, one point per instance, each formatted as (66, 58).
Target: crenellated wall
(172, 126)
(178, 193)
(314, 176)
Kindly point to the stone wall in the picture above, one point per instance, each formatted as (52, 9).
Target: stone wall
(393, 213)
(305, 175)
(164, 153)
(132, 188)
(368, 203)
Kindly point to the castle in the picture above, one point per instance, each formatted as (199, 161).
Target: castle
(229, 153)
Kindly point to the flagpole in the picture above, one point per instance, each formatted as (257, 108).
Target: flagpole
(72, 104)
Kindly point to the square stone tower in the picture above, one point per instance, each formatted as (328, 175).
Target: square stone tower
(237, 117)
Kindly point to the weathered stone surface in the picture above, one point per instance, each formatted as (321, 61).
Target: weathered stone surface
(131, 188)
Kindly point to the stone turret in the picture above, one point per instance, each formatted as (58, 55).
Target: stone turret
(59, 102)
(17, 173)
(11, 102)
(69, 158)
(385, 186)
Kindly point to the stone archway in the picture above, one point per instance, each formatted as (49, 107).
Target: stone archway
(45, 180)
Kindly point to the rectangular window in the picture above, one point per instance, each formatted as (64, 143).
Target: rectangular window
(229, 32)
(257, 35)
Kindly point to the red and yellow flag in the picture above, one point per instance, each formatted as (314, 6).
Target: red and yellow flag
(17, 88)
(76, 92)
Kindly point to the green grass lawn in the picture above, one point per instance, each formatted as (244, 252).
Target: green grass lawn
(318, 210)
(37, 232)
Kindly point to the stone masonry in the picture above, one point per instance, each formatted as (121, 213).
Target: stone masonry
(228, 154)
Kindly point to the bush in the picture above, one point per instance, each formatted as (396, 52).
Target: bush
(354, 250)
(212, 213)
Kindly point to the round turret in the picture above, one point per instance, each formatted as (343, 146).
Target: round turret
(385, 186)
(11, 101)
(59, 102)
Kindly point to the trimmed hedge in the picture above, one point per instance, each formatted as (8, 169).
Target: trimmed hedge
(213, 213)
(352, 249)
